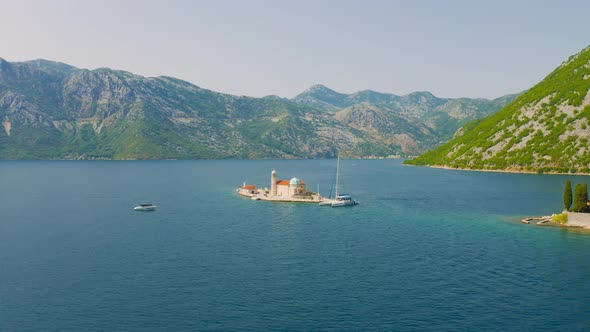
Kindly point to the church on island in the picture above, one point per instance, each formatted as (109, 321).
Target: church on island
(293, 190)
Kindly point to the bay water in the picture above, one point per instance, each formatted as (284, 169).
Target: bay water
(426, 250)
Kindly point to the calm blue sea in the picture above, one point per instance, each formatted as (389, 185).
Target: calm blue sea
(427, 249)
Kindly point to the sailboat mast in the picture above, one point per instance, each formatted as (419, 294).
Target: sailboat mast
(337, 167)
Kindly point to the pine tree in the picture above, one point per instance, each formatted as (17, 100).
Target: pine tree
(567, 195)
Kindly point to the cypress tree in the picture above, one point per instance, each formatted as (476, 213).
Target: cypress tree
(580, 198)
(567, 195)
(584, 197)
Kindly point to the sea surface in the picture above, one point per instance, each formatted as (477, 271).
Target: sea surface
(426, 250)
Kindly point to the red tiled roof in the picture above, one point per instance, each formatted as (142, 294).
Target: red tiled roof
(249, 187)
(287, 182)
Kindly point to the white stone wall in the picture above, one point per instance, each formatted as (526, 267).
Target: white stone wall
(578, 219)
(283, 191)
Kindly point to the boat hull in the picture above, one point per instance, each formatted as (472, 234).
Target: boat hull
(344, 203)
(145, 208)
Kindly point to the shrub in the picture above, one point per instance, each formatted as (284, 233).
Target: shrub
(560, 218)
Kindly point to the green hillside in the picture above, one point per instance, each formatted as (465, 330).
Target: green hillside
(546, 129)
(50, 110)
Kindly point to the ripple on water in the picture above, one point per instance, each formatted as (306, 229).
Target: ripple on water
(426, 250)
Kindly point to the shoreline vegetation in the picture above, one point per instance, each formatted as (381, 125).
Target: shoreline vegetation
(499, 170)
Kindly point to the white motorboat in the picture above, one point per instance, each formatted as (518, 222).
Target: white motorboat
(145, 207)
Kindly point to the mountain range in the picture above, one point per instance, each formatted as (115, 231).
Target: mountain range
(415, 122)
(51, 110)
(546, 129)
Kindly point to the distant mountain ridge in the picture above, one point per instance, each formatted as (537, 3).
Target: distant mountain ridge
(416, 122)
(546, 129)
(51, 110)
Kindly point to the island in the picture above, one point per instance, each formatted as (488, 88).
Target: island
(293, 190)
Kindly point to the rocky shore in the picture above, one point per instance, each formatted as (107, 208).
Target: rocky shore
(574, 220)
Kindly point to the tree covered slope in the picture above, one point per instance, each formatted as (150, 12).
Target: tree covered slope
(546, 129)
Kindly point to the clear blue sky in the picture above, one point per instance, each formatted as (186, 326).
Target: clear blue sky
(256, 48)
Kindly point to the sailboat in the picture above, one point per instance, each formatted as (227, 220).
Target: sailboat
(327, 201)
(341, 199)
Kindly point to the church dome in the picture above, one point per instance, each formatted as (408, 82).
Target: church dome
(295, 182)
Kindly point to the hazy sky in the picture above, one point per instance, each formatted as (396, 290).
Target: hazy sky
(256, 48)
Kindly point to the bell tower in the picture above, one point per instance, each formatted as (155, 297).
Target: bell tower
(273, 183)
